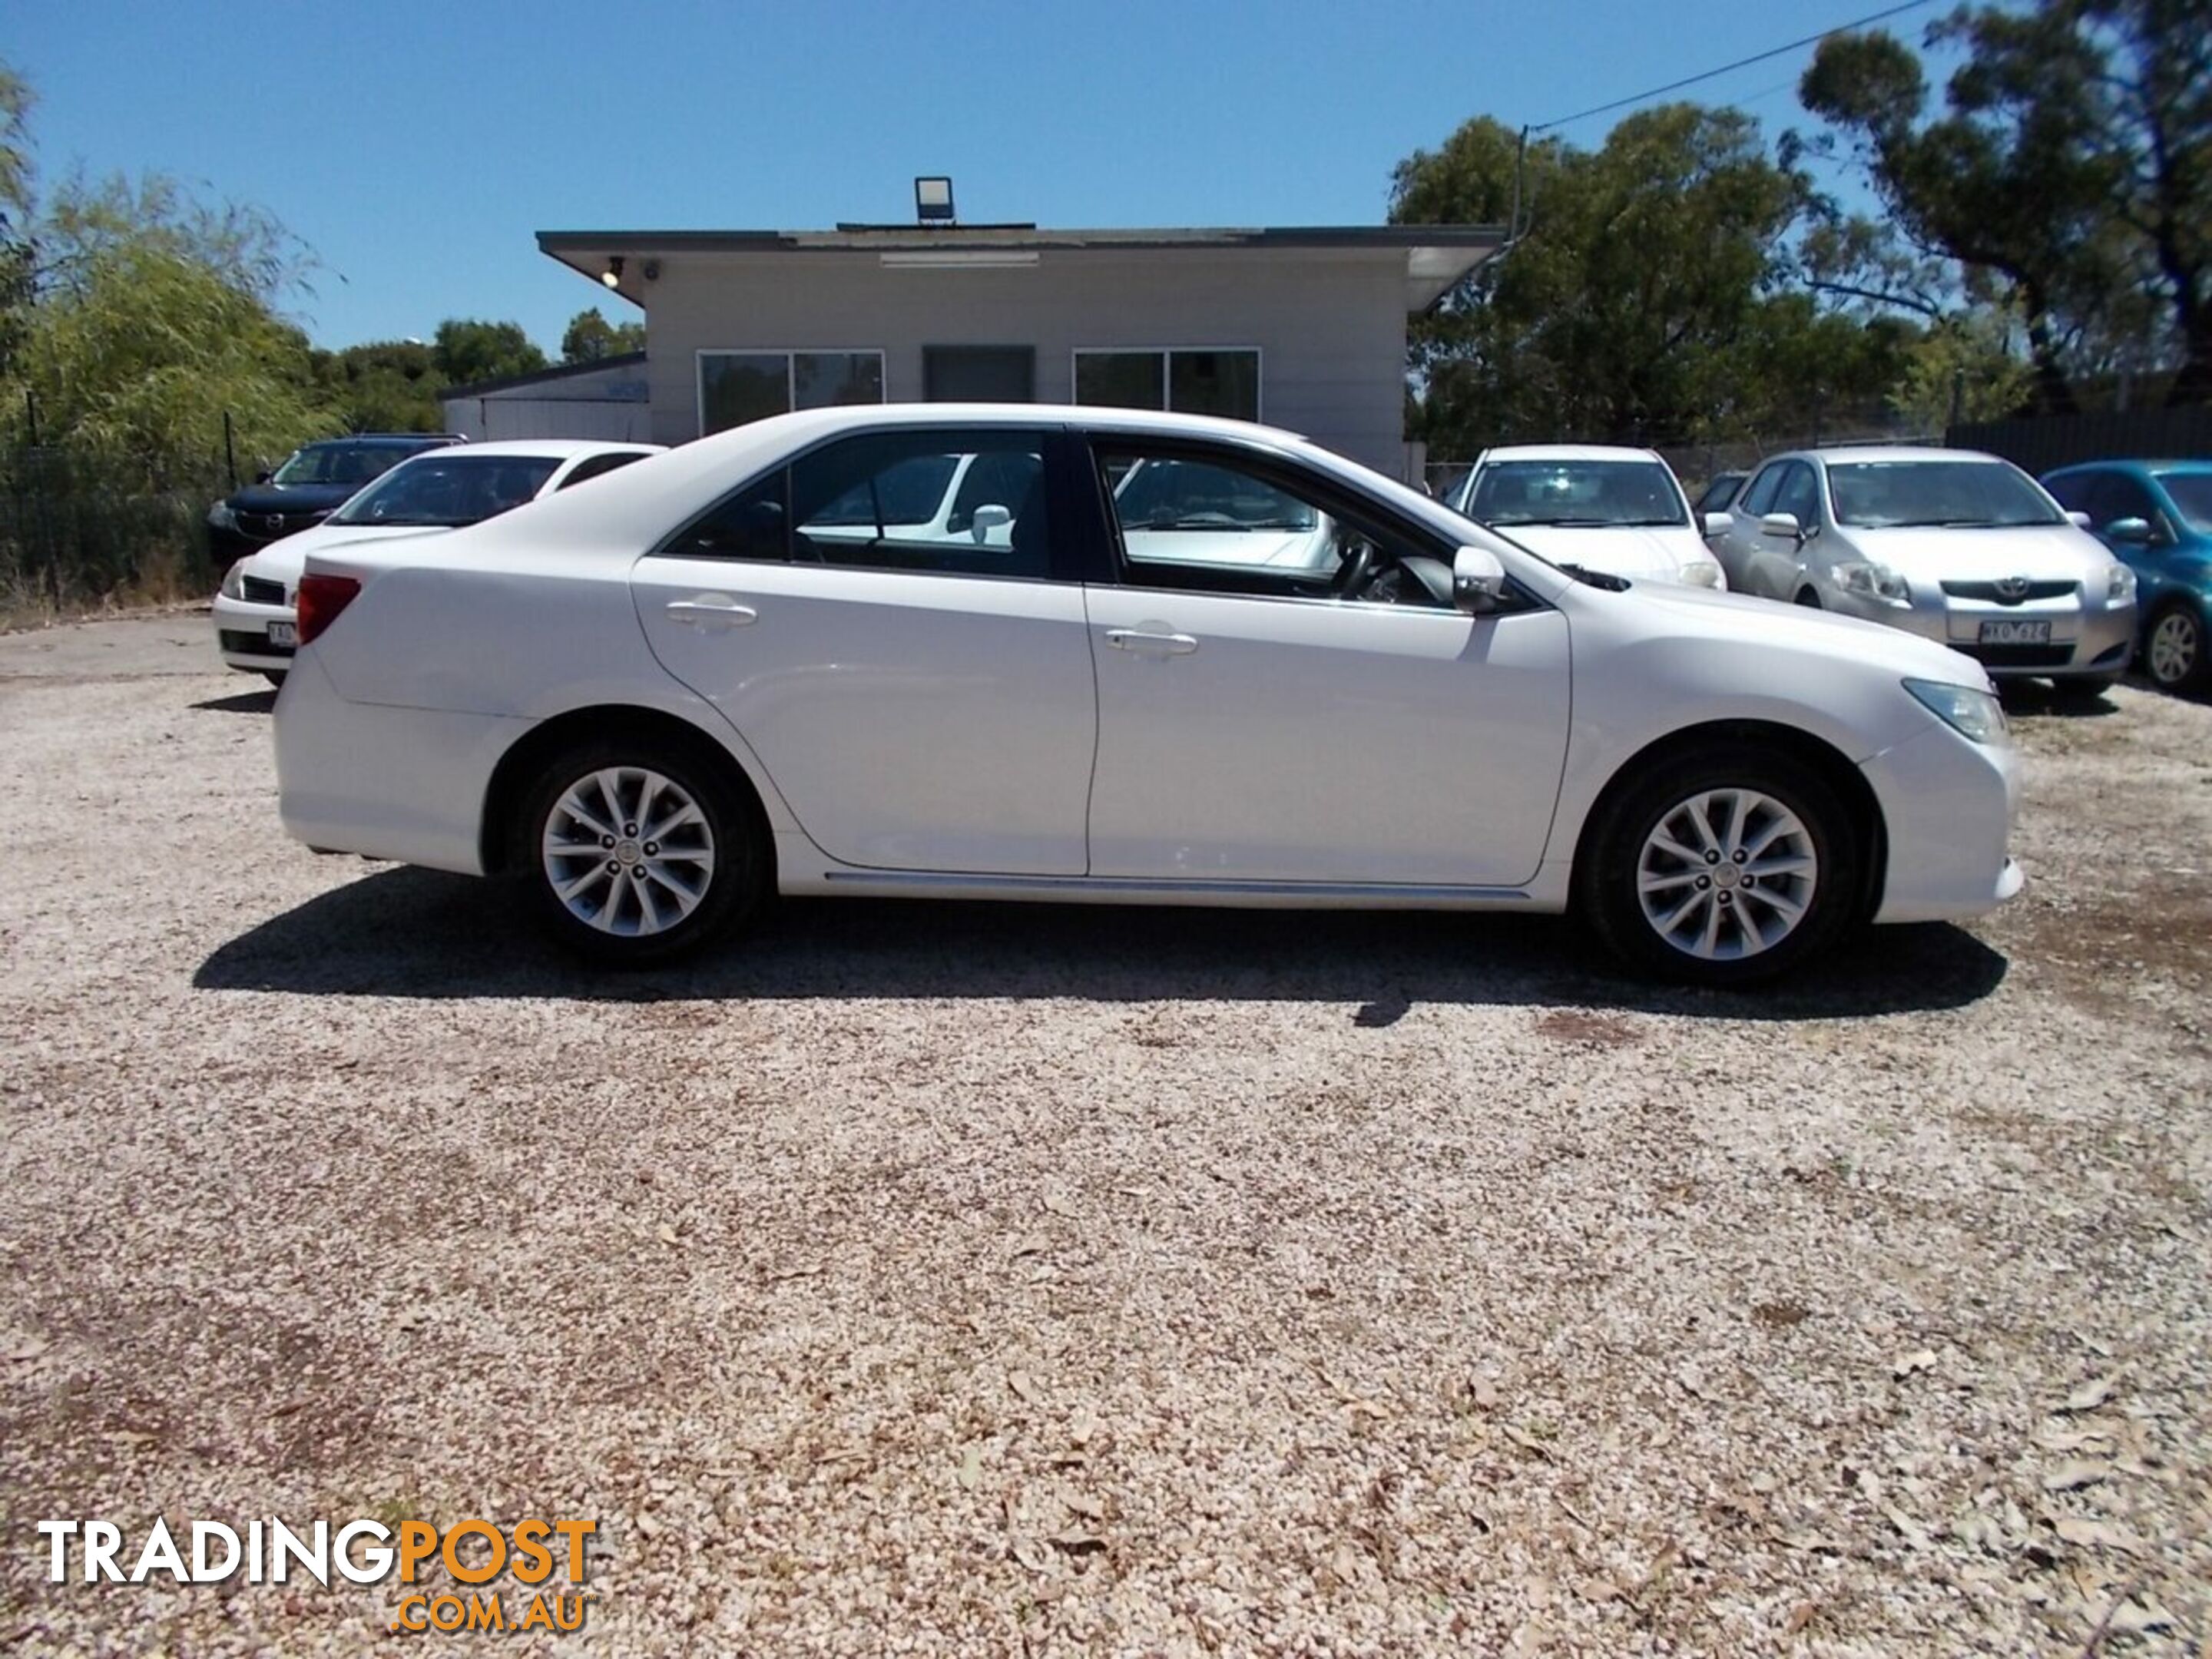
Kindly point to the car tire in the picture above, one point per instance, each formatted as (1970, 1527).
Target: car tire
(2173, 647)
(1653, 884)
(639, 897)
(1810, 599)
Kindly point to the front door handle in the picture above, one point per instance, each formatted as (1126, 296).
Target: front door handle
(1153, 640)
(711, 613)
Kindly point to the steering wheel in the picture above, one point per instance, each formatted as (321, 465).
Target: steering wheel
(1352, 575)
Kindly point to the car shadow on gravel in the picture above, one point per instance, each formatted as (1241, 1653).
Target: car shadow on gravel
(2039, 700)
(407, 933)
(245, 702)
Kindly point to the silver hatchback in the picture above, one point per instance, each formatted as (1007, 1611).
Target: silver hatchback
(1962, 548)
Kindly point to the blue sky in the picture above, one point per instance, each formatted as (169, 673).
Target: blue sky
(418, 147)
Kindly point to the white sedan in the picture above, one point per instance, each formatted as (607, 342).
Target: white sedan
(439, 490)
(1595, 507)
(654, 703)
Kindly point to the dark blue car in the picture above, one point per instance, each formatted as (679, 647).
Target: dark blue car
(316, 480)
(2156, 516)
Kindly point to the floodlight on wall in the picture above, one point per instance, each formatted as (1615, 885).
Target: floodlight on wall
(933, 201)
(612, 275)
(653, 270)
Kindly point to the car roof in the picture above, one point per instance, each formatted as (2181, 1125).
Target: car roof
(1849, 452)
(1568, 452)
(390, 440)
(2197, 463)
(556, 449)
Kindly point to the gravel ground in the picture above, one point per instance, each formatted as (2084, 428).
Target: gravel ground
(971, 1281)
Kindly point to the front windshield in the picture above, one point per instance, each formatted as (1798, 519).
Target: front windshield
(449, 491)
(1961, 494)
(1509, 493)
(2192, 497)
(1167, 494)
(338, 464)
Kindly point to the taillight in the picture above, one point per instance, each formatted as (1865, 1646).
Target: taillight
(319, 600)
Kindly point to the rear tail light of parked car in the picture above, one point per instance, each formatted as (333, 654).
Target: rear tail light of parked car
(321, 599)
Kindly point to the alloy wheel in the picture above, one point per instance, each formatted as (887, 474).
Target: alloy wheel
(628, 851)
(1726, 874)
(2175, 644)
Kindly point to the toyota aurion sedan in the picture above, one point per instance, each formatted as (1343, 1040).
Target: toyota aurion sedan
(255, 630)
(1962, 548)
(1617, 512)
(652, 704)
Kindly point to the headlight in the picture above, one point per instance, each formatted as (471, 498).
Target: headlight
(2119, 586)
(1702, 573)
(1876, 581)
(1968, 710)
(234, 581)
(220, 516)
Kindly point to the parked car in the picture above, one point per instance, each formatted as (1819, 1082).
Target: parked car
(652, 703)
(1620, 512)
(2157, 517)
(1962, 548)
(314, 480)
(1718, 493)
(255, 629)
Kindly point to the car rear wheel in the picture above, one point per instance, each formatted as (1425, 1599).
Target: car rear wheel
(2173, 647)
(634, 853)
(1722, 866)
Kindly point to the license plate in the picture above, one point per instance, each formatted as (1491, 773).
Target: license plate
(2015, 633)
(289, 633)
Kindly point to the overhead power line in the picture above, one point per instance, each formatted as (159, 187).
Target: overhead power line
(1741, 62)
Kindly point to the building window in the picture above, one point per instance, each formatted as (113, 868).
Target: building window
(737, 386)
(1188, 381)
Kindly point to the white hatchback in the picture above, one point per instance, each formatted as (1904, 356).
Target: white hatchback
(436, 490)
(1592, 506)
(724, 672)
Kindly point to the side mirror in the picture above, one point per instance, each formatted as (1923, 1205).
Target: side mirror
(2081, 520)
(262, 477)
(1478, 581)
(2137, 531)
(1719, 524)
(1782, 523)
(988, 519)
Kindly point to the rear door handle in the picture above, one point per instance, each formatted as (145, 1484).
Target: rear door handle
(711, 613)
(1147, 642)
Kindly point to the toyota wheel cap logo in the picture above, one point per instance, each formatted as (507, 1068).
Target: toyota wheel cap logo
(2012, 588)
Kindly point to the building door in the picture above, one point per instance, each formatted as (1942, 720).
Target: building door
(979, 375)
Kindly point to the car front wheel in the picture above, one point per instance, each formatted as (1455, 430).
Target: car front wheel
(2173, 648)
(1721, 867)
(637, 853)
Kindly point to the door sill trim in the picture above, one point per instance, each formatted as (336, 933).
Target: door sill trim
(1142, 889)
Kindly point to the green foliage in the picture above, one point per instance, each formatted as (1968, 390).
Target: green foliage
(385, 385)
(1646, 303)
(134, 317)
(590, 337)
(469, 349)
(137, 360)
(1964, 368)
(2070, 169)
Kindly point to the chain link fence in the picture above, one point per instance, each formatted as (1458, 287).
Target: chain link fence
(77, 533)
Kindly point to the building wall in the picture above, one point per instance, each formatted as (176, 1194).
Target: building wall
(1330, 324)
(608, 403)
(488, 419)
